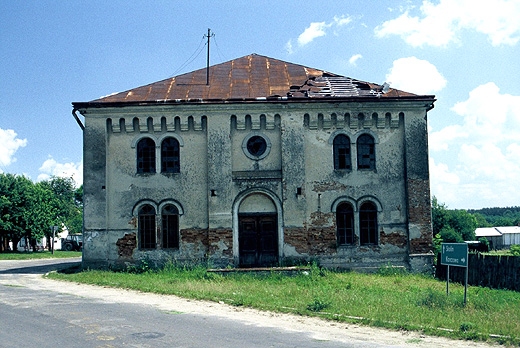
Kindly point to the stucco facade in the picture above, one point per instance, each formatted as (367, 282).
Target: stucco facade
(260, 179)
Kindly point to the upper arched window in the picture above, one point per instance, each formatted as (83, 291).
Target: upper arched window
(170, 226)
(146, 156)
(345, 224)
(368, 224)
(366, 152)
(341, 149)
(146, 225)
(170, 156)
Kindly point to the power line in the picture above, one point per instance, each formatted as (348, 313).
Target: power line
(192, 57)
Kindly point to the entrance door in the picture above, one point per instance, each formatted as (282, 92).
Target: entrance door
(258, 240)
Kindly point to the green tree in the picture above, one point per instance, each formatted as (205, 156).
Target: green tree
(14, 193)
(452, 225)
(440, 216)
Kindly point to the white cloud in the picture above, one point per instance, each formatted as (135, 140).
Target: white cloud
(440, 140)
(486, 148)
(9, 144)
(441, 24)
(65, 170)
(353, 60)
(318, 29)
(416, 76)
(490, 117)
(313, 31)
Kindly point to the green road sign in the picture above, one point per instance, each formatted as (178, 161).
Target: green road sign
(454, 254)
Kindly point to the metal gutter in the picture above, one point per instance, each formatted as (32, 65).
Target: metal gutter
(81, 125)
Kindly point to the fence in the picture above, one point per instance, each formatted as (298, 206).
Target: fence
(498, 272)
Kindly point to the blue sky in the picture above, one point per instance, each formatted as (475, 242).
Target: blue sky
(463, 51)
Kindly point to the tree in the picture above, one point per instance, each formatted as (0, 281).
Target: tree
(14, 190)
(29, 209)
(452, 225)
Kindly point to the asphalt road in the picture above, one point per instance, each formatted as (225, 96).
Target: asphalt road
(37, 312)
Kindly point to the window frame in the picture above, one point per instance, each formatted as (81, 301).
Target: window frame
(345, 224)
(366, 152)
(340, 143)
(170, 163)
(170, 227)
(147, 231)
(146, 156)
(368, 224)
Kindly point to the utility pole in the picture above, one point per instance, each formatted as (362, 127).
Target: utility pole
(207, 61)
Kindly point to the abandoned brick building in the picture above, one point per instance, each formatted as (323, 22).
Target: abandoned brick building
(257, 162)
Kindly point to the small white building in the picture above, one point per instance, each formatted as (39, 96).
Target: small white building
(500, 237)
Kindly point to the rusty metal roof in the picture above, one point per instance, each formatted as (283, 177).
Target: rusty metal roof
(252, 77)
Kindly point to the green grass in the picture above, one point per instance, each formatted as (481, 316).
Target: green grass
(396, 301)
(58, 254)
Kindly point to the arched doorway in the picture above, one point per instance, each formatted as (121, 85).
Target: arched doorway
(257, 231)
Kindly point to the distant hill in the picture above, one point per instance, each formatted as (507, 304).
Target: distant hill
(508, 216)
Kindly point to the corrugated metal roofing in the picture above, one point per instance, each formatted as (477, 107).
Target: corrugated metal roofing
(253, 77)
(496, 231)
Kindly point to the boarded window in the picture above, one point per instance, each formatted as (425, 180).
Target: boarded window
(345, 224)
(146, 156)
(366, 152)
(170, 156)
(368, 224)
(147, 236)
(341, 149)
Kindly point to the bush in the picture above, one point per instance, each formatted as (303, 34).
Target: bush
(515, 250)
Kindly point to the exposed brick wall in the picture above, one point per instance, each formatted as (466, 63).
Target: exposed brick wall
(220, 242)
(393, 238)
(194, 235)
(312, 241)
(126, 245)
(419, 213)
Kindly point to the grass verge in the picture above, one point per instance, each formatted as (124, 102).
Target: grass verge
(58, 254)
(391, 300)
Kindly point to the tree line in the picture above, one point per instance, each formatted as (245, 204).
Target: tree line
(459, 225)
(29, 210)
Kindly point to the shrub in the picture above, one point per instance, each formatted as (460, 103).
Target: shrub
(317, 305)
(515, 250)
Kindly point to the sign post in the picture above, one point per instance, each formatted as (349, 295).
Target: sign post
(455, 254)
(54, 229)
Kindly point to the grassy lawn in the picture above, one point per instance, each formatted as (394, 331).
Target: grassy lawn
(58, 254)
(389, 299)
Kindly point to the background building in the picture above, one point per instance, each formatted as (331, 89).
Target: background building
(257, 162)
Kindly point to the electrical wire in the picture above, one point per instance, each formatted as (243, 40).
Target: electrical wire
(222, 59)
(194, 56)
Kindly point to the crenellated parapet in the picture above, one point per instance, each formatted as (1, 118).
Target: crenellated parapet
(354, 120)
(156, 124)
(255, 122)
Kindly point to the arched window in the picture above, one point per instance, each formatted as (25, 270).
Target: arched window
(170, 156)
(345, 224)
(368, 224)
(366, 153)
(170, 227)
(147, 236)
(146, 156)
(341, 149)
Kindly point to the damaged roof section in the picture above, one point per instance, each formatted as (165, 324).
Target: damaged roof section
(250, 78)
(340, 86)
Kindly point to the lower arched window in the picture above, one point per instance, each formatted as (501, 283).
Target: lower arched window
(345, 224)
(147, 235)
(368, 224)
(170, 227)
